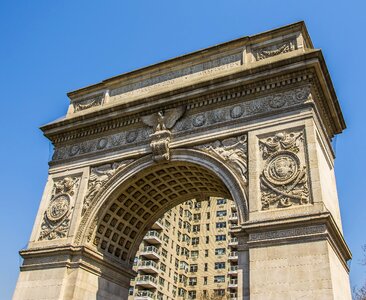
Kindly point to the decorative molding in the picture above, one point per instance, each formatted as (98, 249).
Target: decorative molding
(89, 102)
(56, 220)
(210, 118)
(273, 50)
(284, 177)
(233, 151)
(248, 90)
(99, 176)
(287, 233)
(162, 122)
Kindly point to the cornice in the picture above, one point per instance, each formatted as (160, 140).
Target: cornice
(92, 124)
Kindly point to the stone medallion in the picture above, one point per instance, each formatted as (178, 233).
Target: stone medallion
(58, 208)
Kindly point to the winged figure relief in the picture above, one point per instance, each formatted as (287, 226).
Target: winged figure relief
(164, 119)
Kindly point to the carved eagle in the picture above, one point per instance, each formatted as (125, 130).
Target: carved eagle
(164, 119)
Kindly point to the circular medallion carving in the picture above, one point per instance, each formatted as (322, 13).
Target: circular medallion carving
(199, 120)
(58, 208)
(277, 101)
(131, 136)
(236, 111)
(282, 168)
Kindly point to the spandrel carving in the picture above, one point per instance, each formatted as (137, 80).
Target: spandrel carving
(233, 151)
(283, 179)
(56, 220)
(99, 176)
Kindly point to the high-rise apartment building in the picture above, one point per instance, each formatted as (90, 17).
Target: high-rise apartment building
(189, 253)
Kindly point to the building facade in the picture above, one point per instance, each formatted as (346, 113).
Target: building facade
(189, 253)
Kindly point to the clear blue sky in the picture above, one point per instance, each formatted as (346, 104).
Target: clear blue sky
(51, 47)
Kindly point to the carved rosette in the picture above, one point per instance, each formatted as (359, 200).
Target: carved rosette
(99, 176)
(233, 151)
(283, 179)
(56, 220)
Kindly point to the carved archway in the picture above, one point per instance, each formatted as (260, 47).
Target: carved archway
(142, 191)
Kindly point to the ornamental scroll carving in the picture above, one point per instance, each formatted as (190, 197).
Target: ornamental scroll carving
(88, 103)
(162, 122)
(283, 179)
(273, 50)
(233, 151)
(56, 220)
(99, 176)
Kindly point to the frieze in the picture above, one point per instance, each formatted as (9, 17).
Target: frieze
(283, 179)
(191, 122)
(287, 233)
(186, 74)
(245, 109)
(273, 50)
(56, 219)
(99, 176)
(233, 151)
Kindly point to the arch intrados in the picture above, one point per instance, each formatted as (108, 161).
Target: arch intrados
(132, 173)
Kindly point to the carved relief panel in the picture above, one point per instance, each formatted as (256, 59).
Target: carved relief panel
(56, 219)
(284, 170)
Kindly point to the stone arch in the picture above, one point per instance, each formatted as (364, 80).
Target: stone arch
(143, 191)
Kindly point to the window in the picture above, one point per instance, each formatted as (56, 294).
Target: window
(220, 237)
(207, 239)
(219, 292)
(182, 279)
(176, 263)
(208, 203)
(162, 267)
(220, 224)
(219, 278)
(167, 224)
(194, 254)
(206, 267)
(160, 296)
(195, 240)
(197, 205)
(181, 211)
(192, 295)
(219, 265)
(206, 253)
(196, 228)
(221, 201)
(180, 223)
(197, 217)
(184, 251)
(193, 268)
(183, 265)
(165, 238)
(208, 226)
(161, 281)
(164, 253)
(221, 213)
(220, 251)
(204, 280)
(208, 215)
(177, 249)
(193, 280)
(181, 292)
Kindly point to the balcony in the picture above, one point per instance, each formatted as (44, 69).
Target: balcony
(148, 266)
(158, 225)
(233, 283)
(233, 256)
(144, 295)
(152, 237)
(233, 271)
(146, 281)
(150, 252)
(233, 218)
(233, 242)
